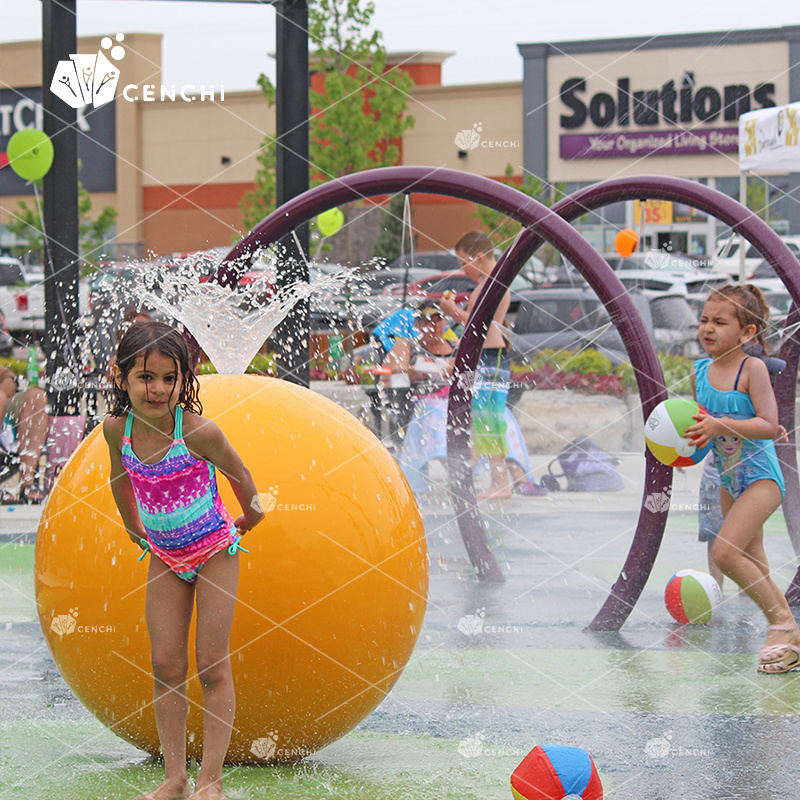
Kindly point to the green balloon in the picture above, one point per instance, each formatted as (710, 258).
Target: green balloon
(330, 221)
(30, 154)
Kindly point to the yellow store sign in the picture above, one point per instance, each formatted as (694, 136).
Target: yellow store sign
(656, 212)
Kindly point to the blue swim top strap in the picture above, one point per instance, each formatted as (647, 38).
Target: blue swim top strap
(739, 374)
(178, 434)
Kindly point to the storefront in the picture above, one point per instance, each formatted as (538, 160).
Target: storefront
(658, 105)
(175, 162)
(176, 170)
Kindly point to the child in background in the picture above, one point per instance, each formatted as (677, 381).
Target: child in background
(735, 390)
(709, 514)
(164, 456)
(475, 253)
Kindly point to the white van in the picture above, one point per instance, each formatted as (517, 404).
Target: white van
(728, 263)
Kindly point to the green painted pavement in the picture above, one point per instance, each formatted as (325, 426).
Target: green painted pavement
(686, 681)
(79, 760)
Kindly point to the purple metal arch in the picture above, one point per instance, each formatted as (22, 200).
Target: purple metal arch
(553, 229)
(647, 540)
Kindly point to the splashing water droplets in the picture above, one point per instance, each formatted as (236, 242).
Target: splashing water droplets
(230, 324)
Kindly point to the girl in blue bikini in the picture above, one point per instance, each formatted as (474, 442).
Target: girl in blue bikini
(742, 420)
(163, 476)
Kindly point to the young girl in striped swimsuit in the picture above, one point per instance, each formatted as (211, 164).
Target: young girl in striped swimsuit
(163, 460)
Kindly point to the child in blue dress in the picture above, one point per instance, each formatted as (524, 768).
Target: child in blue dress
(742, 420)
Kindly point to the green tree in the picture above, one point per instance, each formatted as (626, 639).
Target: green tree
(357, 119)
(260, 200)
(502, 229)
(757, 198)
(27, 225)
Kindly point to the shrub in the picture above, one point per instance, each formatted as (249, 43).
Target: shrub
(15, 365)
(260, 365)
(677, 374)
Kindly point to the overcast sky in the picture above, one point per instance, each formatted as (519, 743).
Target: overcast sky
(226, 43)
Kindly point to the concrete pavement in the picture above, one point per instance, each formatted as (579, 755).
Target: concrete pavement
(667, 711)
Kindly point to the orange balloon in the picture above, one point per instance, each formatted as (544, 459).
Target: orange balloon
(626, 242)
(331, 595)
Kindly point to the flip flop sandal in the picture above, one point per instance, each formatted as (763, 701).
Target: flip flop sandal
(771, 653)
(784, 666)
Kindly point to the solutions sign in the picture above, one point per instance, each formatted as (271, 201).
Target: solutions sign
(681, 104)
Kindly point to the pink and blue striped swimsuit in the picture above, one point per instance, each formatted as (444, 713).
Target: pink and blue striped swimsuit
(179, 504)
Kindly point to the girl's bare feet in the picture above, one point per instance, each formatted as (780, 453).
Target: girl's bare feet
(170, 789)
(209, 791)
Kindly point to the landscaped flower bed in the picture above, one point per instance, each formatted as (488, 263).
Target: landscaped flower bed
(591, 372)
(585, 371)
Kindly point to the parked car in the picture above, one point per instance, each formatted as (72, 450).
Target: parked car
(765, 277)
(434, 260)
(655, 280)
(675, 325)
(726, 258)
(458, 282)
(575, 318)
(569, 318)
(22, 297)
(661, 260)
(6, 341)
(329, 313)
(369, 284)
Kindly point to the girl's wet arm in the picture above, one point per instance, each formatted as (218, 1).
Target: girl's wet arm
(208, 441)
(121, 487)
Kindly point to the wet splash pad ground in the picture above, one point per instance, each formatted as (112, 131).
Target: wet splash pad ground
(666, 711)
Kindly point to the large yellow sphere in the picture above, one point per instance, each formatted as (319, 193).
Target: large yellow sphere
(331, 596)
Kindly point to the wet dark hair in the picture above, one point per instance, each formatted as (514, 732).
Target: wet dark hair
(750, 306)
(129, 318)
(143, 339)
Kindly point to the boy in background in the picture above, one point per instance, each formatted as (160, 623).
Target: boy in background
(475, 253)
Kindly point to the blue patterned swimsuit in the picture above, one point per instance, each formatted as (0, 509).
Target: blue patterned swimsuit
(740, 461)
(179, 504)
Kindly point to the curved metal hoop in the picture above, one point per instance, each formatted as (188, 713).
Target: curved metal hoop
(769, 244)
(647, 539)
(644, 548)
(553, 229)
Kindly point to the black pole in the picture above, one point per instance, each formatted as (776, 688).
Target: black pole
(61, 268)
(291, 175)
